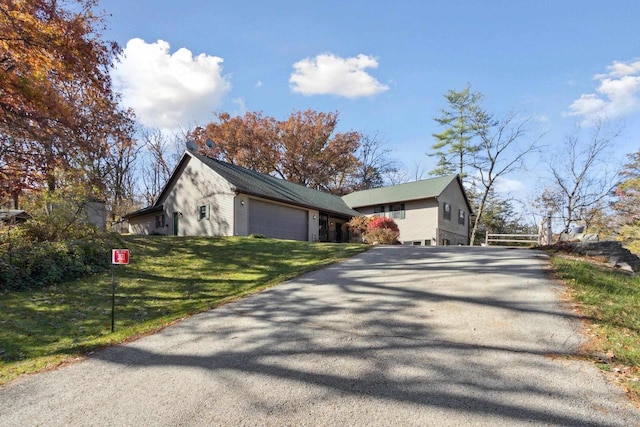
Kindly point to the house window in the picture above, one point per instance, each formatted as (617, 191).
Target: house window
(160, 221)
(203, 212)
(397, 211)
(447, 211)
(378, 209)
(461, 216)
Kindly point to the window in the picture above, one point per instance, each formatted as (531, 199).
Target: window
(447, 211)
(160, 221)
(378, 209)
(461, 216)
(397, 211)
(203, 212)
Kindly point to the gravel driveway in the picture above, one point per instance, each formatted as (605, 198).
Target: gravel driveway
(396, 336)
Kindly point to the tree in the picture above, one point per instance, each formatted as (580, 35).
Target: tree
(374, 164)
(463, 121)
(627, 203)
(581, 178)
(498, 154)
(304, 149)
(57, 107)
(158, 164)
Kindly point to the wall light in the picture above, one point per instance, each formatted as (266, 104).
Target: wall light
(242, 202)
(315, 217)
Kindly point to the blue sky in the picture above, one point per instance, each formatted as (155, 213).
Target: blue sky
(384, 66)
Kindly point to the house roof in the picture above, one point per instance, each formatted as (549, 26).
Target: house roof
(417, 190)
(7, 214)
(269, 187)
(144, 211)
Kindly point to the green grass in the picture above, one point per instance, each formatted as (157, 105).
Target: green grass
(611, 301)
(167, 279)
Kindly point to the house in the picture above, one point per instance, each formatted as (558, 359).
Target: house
(205, 196)
(428, 212)
(13, 216)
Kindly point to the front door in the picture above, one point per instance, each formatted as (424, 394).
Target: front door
(176, 215)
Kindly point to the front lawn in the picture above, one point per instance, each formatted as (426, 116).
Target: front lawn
(167, 279)
(610, 301)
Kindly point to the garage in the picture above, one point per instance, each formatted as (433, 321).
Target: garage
(277, 221)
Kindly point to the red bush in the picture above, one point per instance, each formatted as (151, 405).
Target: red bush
(381, 222)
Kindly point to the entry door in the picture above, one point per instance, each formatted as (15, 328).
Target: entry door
(176, 215)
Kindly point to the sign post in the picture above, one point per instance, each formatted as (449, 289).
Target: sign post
(118, 257)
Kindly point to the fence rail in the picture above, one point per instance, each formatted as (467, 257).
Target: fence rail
(510, 238)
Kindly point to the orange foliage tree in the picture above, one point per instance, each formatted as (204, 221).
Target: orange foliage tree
(304, 148)
(58, 112)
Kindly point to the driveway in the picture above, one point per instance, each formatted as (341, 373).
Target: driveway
(396, 336)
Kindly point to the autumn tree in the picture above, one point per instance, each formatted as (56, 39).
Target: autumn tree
(627, 203)
(304, 148)
(463, 120)
(58, 113)
(581, 176)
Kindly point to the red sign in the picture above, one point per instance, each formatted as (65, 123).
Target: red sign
(120, 256)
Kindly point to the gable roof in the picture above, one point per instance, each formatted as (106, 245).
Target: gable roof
(260, 185)
(417, 190)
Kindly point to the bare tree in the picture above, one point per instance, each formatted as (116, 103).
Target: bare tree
(160, 163)
(580, 177)
(375, 163)
(499, 152)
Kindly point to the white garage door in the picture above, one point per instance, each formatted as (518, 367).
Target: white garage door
(277, 221)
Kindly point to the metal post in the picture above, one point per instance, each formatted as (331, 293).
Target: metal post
(113, 297)
(549, 231)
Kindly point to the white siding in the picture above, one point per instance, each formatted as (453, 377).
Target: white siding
(420, 221)
(199, 186)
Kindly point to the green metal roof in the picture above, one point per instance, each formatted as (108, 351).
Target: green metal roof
(266, 186)
(423, 189)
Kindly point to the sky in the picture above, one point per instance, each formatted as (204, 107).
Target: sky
(384, 66)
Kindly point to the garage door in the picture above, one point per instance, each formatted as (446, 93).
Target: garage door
(277, 221)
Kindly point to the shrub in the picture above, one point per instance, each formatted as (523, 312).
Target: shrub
(357, 228)
(382, 230)
(382, 236)
(381, 222)
(27, 261)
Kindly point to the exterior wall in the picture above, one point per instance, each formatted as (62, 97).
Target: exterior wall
(96, 214)
(144, 225)
(199, 186)
(451, 231)
(420, 222)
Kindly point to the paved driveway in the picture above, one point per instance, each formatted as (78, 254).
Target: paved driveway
(396, 336)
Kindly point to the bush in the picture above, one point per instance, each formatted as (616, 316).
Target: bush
(382, 236)
(373, 230)
(378, 222)
(357, 228)
(28, 261)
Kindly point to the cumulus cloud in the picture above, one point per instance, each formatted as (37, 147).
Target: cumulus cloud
(617, 94)
(507, 185)
(331, 75)
(168, 90)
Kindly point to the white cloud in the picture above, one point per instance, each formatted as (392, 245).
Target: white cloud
(617, 95)
(331, 75)
(168, 90)
(506, 185)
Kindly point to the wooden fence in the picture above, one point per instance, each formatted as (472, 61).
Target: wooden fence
(511, 238)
